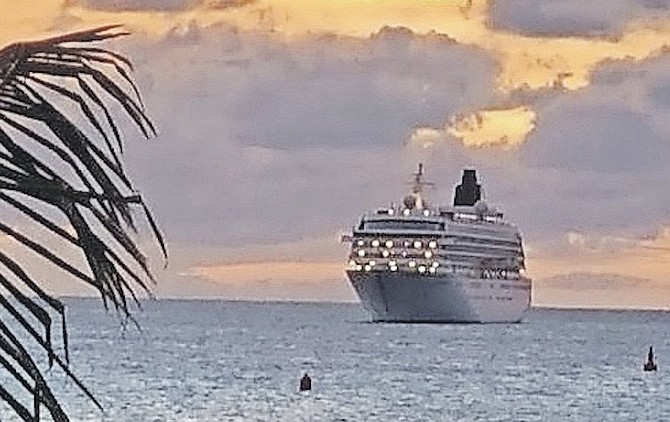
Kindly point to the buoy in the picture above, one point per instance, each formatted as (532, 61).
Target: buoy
(650, 365)
(305, 383)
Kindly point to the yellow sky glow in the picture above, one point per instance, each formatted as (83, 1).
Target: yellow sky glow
(288, 272)
(507, 128)
(504, 128)
(646, 259)
(524, 63)
(634, 258)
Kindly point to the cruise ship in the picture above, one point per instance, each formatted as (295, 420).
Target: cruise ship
(415, 262)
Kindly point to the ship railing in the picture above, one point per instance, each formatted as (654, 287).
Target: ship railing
(346, 238)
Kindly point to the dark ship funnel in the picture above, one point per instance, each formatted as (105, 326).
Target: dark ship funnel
(469, 191)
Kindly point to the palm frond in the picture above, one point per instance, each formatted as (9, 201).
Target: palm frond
(65, 168)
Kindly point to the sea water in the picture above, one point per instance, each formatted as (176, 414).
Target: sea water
(242, 361)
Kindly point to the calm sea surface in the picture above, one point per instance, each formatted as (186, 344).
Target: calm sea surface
(241, 361)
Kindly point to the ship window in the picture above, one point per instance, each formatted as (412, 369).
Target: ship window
(465, 216)
(404, 225)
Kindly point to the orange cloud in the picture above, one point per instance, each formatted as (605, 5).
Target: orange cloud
(505, 128)
(525, 62)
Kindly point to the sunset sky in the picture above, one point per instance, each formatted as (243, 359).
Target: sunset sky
(281, 121)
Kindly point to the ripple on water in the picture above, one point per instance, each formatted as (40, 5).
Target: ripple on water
(236, 361)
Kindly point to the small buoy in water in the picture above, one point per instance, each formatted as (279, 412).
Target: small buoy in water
(650, 365)
(305, 383)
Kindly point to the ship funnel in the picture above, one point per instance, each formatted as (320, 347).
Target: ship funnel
(469, 191)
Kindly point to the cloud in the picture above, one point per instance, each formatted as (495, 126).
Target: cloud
(261, 139)
(504, 128)
(608, 270)
(632, 254)
(284, 120)
(605, 137)
(658, 241)
(356, 92)
(572, 18)
(294, 269)
(526, 61)
(599, 153)
(134, 5)
(276, 281)
(156, 5)
(600, 290)
(25, 21)
(596, 281)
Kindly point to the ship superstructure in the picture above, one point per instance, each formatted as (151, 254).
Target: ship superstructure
(416, 262)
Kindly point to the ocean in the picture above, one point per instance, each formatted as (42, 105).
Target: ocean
(242, 361)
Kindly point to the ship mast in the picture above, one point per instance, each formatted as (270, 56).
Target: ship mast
(417, 188)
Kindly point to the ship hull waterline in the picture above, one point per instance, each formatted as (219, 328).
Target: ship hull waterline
(414, 298)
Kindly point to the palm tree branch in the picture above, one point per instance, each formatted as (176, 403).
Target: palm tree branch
(61, 153)
(13, 347)
(78, 143)
(96, 99)
(45, 189)
(112, 282)
(18, 408)
(15, 373)
(99, 262)
(48, 190)
(50, 256)
(38, 312)
(86, 110)
(44, 342)
(54, 303)
(68, 70)
(34, 78)
(73, 240)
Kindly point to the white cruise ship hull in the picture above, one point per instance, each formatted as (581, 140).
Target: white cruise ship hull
(410, 297)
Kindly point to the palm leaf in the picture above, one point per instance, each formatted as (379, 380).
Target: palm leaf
(82, 184)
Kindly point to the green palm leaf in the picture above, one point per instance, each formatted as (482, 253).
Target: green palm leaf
(60, 167)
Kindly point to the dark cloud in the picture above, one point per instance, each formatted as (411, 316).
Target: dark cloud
(602, 137)
(135, 5)
(660, 95)
(572, 17)
(339, 91)
(600, 154)
(226, 4)
(262, 141)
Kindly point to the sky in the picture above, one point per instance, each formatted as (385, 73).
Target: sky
(281, 121)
